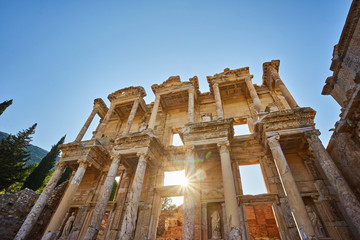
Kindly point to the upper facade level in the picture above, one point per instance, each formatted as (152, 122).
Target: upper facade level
(232, 95)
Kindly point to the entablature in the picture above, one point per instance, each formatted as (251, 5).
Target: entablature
(204, 133)
(92, 151)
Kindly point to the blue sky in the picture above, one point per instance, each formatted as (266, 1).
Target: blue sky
(57, 56)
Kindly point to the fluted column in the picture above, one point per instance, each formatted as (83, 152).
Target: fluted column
(336, 179)
(40, 203)
(58, 217)
(102, 202)
(219, 109)
(128, 224)
(131, 116)
(189, 196)
(191, 105)
(231, 206)
(292, 193)
(204, 224)
(105, 121)
(154, 112)
(86, 126)
(255, 98)
(289, 98)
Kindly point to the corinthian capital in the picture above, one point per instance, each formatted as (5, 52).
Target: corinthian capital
(312, 136)
(273, 141)
(224, 146)
(83, 163)
(189, 149)
(60, 164)
(143, 156)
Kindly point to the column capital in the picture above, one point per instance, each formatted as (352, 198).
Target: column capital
(115, 157)
(273, 141)
(191, 89)
(224, 146)
(61, 164)
(157, 96)
(189, 149)
(143, 156)
(312, 136)
(83, 163)
(215, 84)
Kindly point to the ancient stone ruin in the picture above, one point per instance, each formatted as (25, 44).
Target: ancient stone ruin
(306, 195)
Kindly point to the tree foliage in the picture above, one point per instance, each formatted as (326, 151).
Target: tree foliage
(13, 157)
(4, 105)
(113, 191)
(167, 204)
(65, 176)
(36, 179)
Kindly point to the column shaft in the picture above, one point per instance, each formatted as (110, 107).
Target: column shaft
(204, 224)
(231, 205)
(131, 116)
(86, 126)
(255, 98)
(289, 98)
(58, 217)
(296, 203)
(99, 210)
(345, 194)
(105, 121)
(219, 109)
(154, 112)
(191, 106)
(128, 224)
(189, 196)
(40, 203)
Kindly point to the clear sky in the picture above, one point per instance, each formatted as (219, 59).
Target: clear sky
(57, 56)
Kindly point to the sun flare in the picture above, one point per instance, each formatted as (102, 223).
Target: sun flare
(175, 178)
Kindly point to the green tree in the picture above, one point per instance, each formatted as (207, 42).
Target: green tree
(36, 179)
(113, 191)
(65, 176)
(13, 157)
(4, 105)
(167, 204)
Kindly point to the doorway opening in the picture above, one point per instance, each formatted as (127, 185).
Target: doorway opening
(170, 219)
(261, 222)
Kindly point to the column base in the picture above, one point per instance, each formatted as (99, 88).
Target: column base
(235, 233)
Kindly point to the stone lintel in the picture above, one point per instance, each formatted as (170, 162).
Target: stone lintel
(257, 199)
(92, 150)
(207, 132)
(170, 191)
(229, 76)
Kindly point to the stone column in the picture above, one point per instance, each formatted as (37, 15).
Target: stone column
(86, 126)
(204, 224)
(128, 224)
(131, 116)
(105, 121)
(40, 203)
(102, 202)
(154, 112)
(219, 109)
(58, 217)
(255, 98)
(231, 205)
(284, 90)
(336, 179)
(191, 105)
(296, 203)
(189, 196)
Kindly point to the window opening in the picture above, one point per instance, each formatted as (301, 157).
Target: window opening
(175, 178)
(252, 179)
(176, 140)
(242, 129)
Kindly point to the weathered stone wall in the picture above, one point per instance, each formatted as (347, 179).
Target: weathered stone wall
(15, 207)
